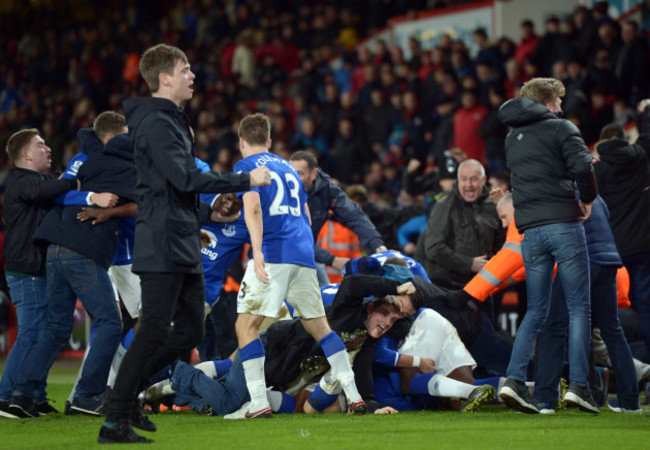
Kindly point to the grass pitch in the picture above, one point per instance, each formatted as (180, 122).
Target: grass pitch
(492, 427)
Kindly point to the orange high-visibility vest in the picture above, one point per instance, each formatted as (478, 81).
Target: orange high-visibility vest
(502, 270)
(340, 241)
(507, 268)
(623, 288)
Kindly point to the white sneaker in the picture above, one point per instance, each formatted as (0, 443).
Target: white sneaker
(159, 390)
(240, 413)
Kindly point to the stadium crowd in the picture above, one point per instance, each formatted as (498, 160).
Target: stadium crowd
(407, 156)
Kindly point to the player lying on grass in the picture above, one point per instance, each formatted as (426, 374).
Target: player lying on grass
(286, 344)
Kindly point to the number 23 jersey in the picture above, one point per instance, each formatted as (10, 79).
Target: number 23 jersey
(287, 235)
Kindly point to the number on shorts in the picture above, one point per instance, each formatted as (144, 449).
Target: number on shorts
(277, 208)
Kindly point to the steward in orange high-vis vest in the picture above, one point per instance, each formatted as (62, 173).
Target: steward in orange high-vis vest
(507, 268)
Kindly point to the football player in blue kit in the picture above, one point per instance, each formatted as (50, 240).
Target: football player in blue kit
(283, 266)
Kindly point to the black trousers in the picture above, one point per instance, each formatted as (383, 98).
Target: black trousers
(171, 324)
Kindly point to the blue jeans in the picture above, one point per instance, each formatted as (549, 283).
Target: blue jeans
(542, 247)
(604, 309)
(224, 396)
(71, 276)
(29, 296)
(639, 268)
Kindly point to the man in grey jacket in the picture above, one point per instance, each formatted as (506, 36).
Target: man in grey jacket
(463, 231)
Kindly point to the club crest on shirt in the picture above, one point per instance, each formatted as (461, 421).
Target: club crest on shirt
(228, 230)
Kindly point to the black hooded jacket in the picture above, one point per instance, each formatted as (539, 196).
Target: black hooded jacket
(109, 171)
(167, 236)
(545, 154)
(624, 184)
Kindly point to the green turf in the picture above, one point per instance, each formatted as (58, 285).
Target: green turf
(493, 427)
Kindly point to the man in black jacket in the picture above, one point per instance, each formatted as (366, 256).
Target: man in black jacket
(30, 193)
(167, 253)
(77, 260)
(545, 154)
(323, 197)
(624, 184)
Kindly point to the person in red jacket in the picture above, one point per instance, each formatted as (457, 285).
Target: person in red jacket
(467, 122)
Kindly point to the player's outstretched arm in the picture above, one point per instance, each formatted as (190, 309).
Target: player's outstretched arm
(101, 215)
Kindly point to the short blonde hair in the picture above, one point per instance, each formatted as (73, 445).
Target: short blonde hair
(543, 90)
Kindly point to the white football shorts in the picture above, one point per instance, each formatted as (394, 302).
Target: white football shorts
(297, 284)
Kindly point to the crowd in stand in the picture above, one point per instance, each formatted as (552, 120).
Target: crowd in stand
(377, 106)
(397, 128)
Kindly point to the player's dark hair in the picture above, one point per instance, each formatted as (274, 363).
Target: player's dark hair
(302, 155)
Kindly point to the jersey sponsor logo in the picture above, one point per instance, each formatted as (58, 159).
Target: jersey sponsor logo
(228, 230)
(74, 168)
(212, 245)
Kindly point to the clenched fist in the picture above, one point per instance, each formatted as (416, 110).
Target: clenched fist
(260, 177)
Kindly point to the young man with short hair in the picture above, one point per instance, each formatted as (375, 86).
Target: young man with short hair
(78, 251)
(167, 252)
(546, 155)
(29, 195)
(283, 267)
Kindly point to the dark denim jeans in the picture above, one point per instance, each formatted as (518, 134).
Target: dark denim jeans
(71, 276)
(604, 309)
(542, 247)
(639, 268)
(29, 296)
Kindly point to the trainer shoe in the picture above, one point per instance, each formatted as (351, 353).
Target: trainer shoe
(353, 341)
(22, 407)
(263, 413)
(159, 390)
(240, 413)
(139, 420)
(546, 407)
(515, 395)
(315, 365)
(4, 411)
(93, 406)
(45, 408)
(613, 404)
(478, 397)
(120, 433)
(358, 408)
(581, 397)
